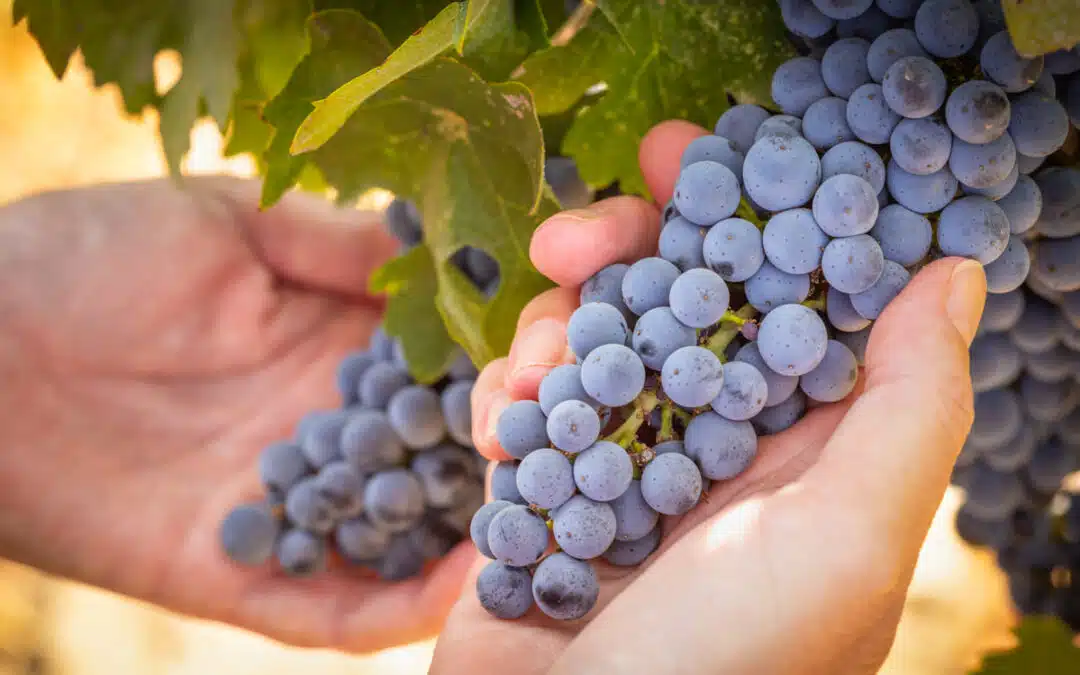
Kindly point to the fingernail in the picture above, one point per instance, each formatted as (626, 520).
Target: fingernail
(967, 295)
(571, 217)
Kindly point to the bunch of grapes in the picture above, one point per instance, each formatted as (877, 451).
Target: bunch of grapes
(390, 480)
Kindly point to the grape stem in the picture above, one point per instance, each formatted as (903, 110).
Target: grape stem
(729, 328)
(746, 212)
(817, 304)
(626, 434)
(667, 423)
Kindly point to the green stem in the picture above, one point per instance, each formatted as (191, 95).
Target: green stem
(683, 416)
(817, 304)
(746, 212)
(667, 423)
(626, 434)
(729, 328)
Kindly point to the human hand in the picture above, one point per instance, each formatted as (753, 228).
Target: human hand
(800, 564)
(155, 339)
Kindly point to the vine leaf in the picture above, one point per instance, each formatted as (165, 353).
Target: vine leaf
(658, 60)
(1045, 648)
(1042, 26)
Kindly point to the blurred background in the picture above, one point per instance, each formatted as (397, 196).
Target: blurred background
(62, 134)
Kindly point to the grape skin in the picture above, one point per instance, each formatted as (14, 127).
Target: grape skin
(593, 325)
(869, 116)
(991, 494)
(360, 542)
(481, 523)
(841, 313)
(671, 484)
(921, 194)
(562, 383)
(504, 483)
(647, 284)
(853, 264)
(706, 193)
(899, 9)
(781, 173)
(634, 518)
(517, 536)
(657, 335)
(873, 301)
(890, 47)
(843, 9)
(868, 25)
(998, 416)
(456, 406)
(973, 227)
(248, 534)
(740, 123)
(692, 377)
(699, 298)
(796, 84)
(769, 288)
(1039, 124)
(844, 206)
(1010, 269)
(721, 447)
(904, 236)
(1040, 327)
(947, 28)
(825, 123)
(793, 241)
(681, 243)
(792, 339)
(505, 592)
(781, 126)
(914, 87)
(834, 378)
(368, 442)
(856, 159)
(779, 387)
(1060, 216)
(613, 375)
(997, 190)
(744, 394)
(379, 382)
(281, 466)
(921, 146)
(978, 112)
(565, 588)
(603, 472)
(1002, 312)
(349, 372)
(583, 528)
(733, 249)
(856, 342)
(1002, 64)
(713, 149)
(573, 426)
(393, 500)
(606, 286)
(545, 478)
(781, 417)
(415, 413)
(981, 166)
(321, 442)
(633, 553)
(843, 66)
(522, 428)
(341, 486)
(301, 553)
(1022, 205)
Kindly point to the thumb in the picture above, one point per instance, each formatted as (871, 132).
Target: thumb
(305, 238)
(890, 459)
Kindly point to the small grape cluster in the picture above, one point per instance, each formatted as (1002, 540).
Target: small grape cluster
(390, 480)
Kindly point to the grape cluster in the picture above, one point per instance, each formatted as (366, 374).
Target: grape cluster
(971, 136)
(390, 480)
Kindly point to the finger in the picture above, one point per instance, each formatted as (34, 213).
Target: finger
(489, 399)
(305, 238)
(540, 343)
(918, 388)
(571, 246)
(661, 152)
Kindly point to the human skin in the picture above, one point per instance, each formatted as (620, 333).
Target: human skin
(154, 339)
(801, 564)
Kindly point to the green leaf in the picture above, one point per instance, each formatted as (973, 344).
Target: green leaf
(343, 45)
(410, 284)
(398, 19)
(1042, 26)
(1045, 648)
(659, 60)
(492, 45)
(50, 24)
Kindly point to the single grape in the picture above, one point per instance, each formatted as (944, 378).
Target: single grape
(462, 368)
(769, 288)
(341, 486)
(698, 298)
(307, 508)
(995, 362)
(301, 553)
(633, 553)
(1046, 85)
(369, 443)
(779, 387)
(669, 446)
(844, 206)
(792, 339)
(671, 484)
(613, 375)
(380, 382)
(603, 472)
(856, 342)
(321, 440)
(381, 345)
(914, 87)
(415, 413)
(1002, 312)
(1050, 465)
(890, 47)
(1040, 326)
(1048, 401)
(843, 66)
(360, 542)
(713, 149)
(992, 494)
(658, 334)
(781, 173)
(856, 159)
(457, 410)
(522, 428)
(904, 236)
(606, 286)
(1010, 269)
(873, 301)
(394, 500)
(980, 166)
(978, 112)
(998, 416)
(595, 324)
(647, 284)
(584, 528)
(825, 123)
(1004, 65)
(444, 475)
(545, 478)
(562, 383)
(781, 417)
(692, 377)
(744, 393)
(1039, 124)
(1022, 205)
(1062, 62)
(997, 190)
(782, 126)
(402, 560)
(733, 249)
(248, 534)
(796, 84)
(573, 426)
(481, 523)
(504, 483)
(973, 227)
(565, 588)
(868, 25)
(740, 123)
(1015, 454)
(681, 243)
(721, 447)
(634, 518)
(517, 536)
(922, 146)
(899, 9)
(869, 115)
(793, 241)
(1053, 365)
(853, 264)
(281, 466)
(843, 9)
(403, 222)
(921, 194)
(835, 377)
(706, 193)
(841, 313)
(561, 173)
(505, 592)
(349, 372)
(947, 28)
(1060, 216)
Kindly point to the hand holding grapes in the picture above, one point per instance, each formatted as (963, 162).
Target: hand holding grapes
(801, 563)
(155, 339)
